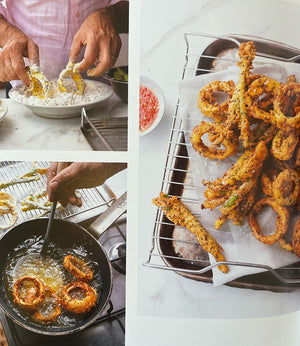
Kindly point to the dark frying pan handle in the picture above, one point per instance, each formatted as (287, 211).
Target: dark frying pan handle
(107, 218)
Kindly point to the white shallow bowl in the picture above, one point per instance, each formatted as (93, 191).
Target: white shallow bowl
(149, 83)
(63, 112)
(3, 109)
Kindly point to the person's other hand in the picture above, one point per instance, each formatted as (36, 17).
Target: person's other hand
(102, 41)
(76, 176)
(15, 45)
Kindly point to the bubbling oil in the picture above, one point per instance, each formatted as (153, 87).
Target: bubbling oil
(25, 260)
(46, 268)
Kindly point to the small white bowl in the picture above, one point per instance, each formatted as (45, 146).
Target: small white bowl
(3, 109)
(144, 81)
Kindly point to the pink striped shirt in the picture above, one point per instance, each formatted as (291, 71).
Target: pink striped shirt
(51, 24)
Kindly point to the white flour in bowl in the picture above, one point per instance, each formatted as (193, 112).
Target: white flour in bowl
(93, 91)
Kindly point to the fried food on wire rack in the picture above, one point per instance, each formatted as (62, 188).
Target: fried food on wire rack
(207, 100)
(231, 114)
(282, 221)
(260, 119)
(179, 214)
(235, 191)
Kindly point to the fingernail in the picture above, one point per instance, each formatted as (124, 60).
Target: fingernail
(91, 72)
(53, 185)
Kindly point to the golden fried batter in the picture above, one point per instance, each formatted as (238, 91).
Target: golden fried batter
(282, 221)
(178, 213)
(235, 191)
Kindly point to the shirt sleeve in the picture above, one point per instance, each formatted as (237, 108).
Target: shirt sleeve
(3, 10)
(116, 1)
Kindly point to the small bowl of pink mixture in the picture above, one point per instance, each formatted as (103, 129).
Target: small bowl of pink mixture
(152, 106)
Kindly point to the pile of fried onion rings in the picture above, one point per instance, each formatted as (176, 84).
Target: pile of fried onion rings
(260, 120)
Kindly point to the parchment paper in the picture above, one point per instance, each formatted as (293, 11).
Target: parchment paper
(238, 242)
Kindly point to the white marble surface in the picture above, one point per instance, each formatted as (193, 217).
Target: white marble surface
(166, 294)
(23, 130)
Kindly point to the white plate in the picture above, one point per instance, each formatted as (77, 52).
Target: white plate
(67, 111)
(157, 91)
(3, 109)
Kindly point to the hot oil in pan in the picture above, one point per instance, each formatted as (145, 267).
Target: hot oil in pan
(25, 260)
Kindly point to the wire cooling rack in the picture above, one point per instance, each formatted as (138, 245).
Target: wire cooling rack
(94, 200)
(207, 54)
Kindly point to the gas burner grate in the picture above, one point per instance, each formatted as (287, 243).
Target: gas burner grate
(105, 133)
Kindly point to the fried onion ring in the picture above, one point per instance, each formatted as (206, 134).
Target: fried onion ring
(207, 102)
(29, 292)
(49, 309)
(267, 179)
(284, 144)
(296, 238)
(264, 87)
(284, 119)
(78, 297)
(230, 141)
(285, 187)
(78, 268)
(281, 221)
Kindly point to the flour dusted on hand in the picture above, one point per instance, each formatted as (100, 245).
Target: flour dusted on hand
(93, 91)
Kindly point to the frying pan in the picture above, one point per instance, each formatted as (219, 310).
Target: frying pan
(64, 234)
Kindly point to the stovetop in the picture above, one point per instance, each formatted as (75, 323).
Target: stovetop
(109, 328)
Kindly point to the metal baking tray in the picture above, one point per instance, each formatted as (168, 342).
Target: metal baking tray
(177, 177)
(107, 134)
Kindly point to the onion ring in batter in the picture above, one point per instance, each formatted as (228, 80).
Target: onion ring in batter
(282, 221)
(285, 187)
(289, 91)
(6, 207)
(296, 238)
(258, 88)
(78, 268)
(284, 144)
(78, 297)
(230, 141)
(29, 292)
(49, 309)
(207, 102)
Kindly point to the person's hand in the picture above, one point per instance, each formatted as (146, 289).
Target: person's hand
(102, 41)
(78, 175)
(15, 45)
